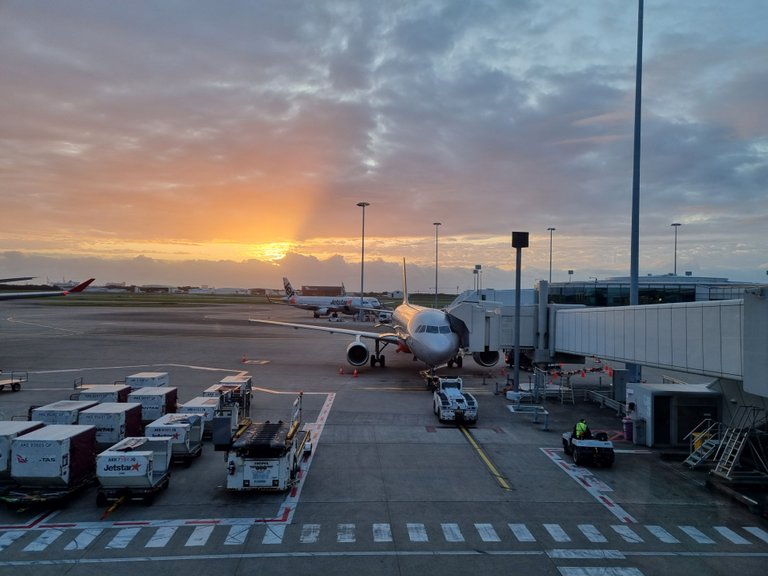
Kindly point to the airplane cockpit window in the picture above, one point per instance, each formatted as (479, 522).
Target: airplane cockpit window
(420, 329)
(432, 330)
(445, 329)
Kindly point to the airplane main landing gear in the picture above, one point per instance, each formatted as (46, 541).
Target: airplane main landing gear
(379, 359)
(458, 361)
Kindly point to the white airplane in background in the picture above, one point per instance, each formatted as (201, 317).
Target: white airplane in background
(327, 305)
(432, 336)
(41, 294)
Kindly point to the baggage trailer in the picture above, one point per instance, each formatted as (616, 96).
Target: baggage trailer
(114, 421)
(51, 464)
(10, 429)
(186, 433)
(266, 456)
(136, 468)
(14, 382)
(207, 407)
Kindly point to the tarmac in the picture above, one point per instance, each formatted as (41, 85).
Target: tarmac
(387, 489)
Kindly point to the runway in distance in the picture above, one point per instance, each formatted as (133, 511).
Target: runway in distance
(327, 305)
(43, 294)
(433, 337)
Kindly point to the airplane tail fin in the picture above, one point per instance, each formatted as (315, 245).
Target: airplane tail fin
(288, 288)
(405, 285)
(80, 287)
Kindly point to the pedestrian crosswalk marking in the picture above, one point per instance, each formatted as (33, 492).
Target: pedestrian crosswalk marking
(200, 535)
(592, 533)
(417, 532)
(697, 535)
(237, 534)
(83, 539)
(382, 532)
(310, 533)
(161, 537)
(557, 533)
(662, 535)
(345, 533)
(487, 533)
(757, 532)
(731, 535)
(9, 538)
(122, 538)
(627, 534)
(522, 533)
(274, 534)
(452, 533)
(44, 540)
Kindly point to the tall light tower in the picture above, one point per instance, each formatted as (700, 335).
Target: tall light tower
(362, 260)
(551, 231)
(437, 226)
(675, 225)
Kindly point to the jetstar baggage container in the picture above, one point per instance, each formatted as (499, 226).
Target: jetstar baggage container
(205, 407)
(152, 379)
(8, 431)
(113, 421)
(61, 412)
(105, 393)
(56, 455)
(185, 431)
(134, 462)
(155, 401)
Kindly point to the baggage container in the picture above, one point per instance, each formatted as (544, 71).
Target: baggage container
(113, 421)
(105, 393)
(155, 401)
(61, 412)
(59, 455)
(185, 431)
(151, 379)
(8, 431)
(234, 389)
(135, 468)
(206, 407)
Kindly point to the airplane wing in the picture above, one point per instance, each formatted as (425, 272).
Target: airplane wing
(17, 295)
(390, 337)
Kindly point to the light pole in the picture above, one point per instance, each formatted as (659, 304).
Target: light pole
(551, 231)
(436, 225)
(570, 275)
(362, 260)
(675, 225)
(519, 241)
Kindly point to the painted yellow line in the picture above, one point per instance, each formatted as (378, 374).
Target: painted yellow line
(494, 472)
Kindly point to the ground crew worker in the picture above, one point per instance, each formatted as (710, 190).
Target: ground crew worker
(581, 429)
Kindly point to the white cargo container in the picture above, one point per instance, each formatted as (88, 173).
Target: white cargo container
(185, 431)
(10, 429)
(61, 412)
(205, 407)
(152, 379)
(105, 393)
(57, 455)
(135, 467)
(155, 401)
(113, 421)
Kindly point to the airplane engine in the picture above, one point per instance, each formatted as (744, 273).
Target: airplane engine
(486, 358)
(357, 353)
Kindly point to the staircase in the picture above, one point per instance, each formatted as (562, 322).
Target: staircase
(705, 440)
(735, 438)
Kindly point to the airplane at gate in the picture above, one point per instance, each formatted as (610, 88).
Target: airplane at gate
(433, 336)
(327, 305)
(42, 294)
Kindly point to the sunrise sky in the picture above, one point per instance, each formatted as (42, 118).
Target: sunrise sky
(227, 143)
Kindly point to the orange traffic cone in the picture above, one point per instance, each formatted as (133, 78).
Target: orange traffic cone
(243, 360)
(355, 373)
(341, 370)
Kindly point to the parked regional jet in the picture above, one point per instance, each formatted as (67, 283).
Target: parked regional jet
(33, 294)
(327, 305)
(432, 336)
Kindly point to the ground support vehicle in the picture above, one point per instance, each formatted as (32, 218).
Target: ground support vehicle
(597, 450)
(451, 403)
(136, 468)
(14, 382)
(266, 456)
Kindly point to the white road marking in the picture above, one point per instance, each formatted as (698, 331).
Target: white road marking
(382, 532)
(345, 533)
(83, 539)
(592, 533)
(122, 538)
(595, 571)
(586, 554)
(487, 533)
(161, 537)
(200, 535)
(662, 535)
(697, 535)
(731, 535)
(417, 532)
(452, 533)
(274, 534)
(43, 541)
(8, 538)
(237, 534)
(522, 533)
(627, 534)
(557, 533)
(310, 533)
(757, 532)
